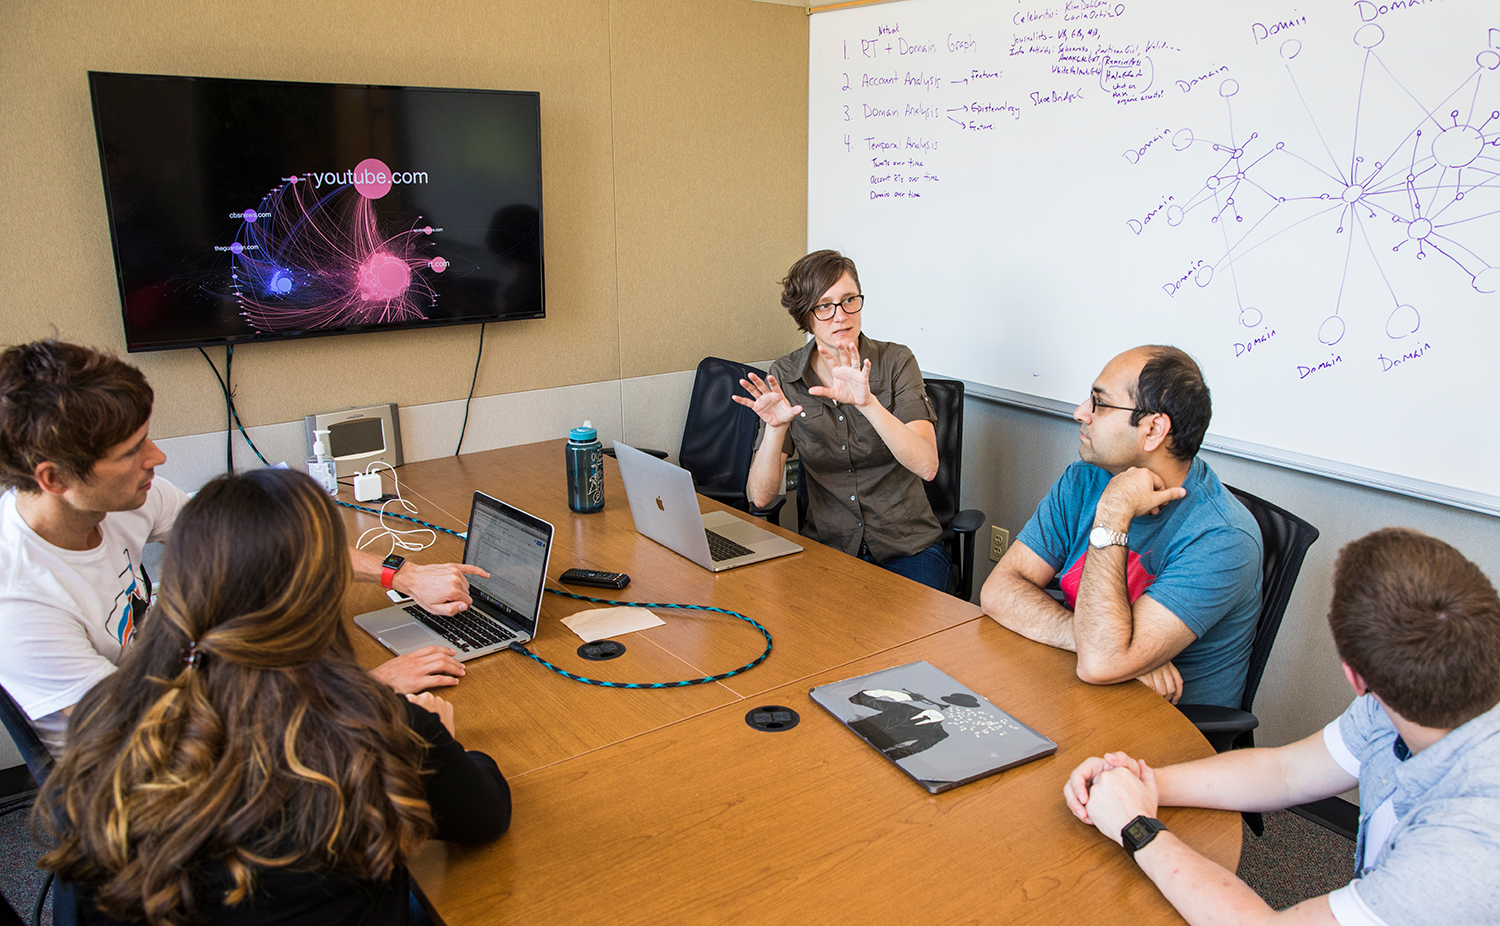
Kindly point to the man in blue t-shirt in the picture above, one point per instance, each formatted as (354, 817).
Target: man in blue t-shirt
(1159, 565)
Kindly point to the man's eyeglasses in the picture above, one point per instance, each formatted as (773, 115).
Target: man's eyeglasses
(825, 310)
(1095, 405)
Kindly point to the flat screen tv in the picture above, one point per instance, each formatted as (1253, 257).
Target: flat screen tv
(255, 210)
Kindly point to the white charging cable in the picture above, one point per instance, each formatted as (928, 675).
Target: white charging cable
(399, 538)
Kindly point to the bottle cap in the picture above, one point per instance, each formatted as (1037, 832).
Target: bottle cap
(584, 434)
(320, 445)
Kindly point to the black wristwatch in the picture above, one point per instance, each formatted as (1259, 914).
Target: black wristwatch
(388, 570)
(1139, 832)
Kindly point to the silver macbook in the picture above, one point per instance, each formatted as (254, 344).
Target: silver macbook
(665, 508)
(514, 548)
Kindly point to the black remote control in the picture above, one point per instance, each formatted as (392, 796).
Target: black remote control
(595, 578)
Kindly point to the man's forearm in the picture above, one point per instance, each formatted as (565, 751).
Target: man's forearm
(1017, 604)
(1256, 779)
(1116, 639)
(1103, 623)
(1110, 792)
(1119, 639)
(366, 565)
(1203, 892)
(367, 568)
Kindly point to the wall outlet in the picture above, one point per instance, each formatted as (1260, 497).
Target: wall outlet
(999, 540)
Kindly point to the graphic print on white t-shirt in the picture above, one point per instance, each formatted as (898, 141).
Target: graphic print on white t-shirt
(130, 602)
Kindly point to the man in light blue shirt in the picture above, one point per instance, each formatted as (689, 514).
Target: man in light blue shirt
(1418, 629)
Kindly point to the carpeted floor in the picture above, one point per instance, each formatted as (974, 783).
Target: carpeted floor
(19, 878)
(1295, 859)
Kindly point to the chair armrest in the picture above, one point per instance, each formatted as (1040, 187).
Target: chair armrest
(968, 521)
(1211, 718)
(964, 526)
(659, 454)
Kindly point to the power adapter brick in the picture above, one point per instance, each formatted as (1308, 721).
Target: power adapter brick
(367, 487)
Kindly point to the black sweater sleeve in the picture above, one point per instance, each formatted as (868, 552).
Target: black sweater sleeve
(469, 797)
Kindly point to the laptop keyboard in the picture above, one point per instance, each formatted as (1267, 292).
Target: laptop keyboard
(467, 630)
(722, 548)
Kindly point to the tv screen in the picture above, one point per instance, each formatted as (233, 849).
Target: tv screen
(252, 210)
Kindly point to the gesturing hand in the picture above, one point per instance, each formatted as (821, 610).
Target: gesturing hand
(767, 400)
(848, 379)
(440, 588)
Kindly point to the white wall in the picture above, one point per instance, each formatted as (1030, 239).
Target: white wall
(644, 411)
(9, 756)
(1012, 456)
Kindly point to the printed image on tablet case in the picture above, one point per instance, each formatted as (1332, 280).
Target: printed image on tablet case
(934, 729)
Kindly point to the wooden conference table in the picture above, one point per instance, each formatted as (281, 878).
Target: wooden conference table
(665, 806)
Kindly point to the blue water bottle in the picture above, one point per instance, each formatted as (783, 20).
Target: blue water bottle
(585, 457)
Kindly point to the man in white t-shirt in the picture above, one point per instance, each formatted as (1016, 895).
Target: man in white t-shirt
(80, 503)
(1418, 629)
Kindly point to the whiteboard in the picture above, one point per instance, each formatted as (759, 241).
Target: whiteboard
(1303, 195)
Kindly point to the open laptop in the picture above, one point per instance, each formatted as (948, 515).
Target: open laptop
(514, 548)
(665, 508)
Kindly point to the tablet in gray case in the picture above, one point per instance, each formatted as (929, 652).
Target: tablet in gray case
(934, 729)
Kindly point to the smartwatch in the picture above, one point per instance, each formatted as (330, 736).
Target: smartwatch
(1101, 537)
(1139, 832)
(388, 569)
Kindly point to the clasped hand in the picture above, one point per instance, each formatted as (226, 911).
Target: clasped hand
(1109, 792)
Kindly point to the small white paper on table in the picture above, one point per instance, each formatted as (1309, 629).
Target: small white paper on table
(604, 623)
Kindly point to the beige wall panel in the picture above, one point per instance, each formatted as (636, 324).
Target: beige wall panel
(56, 265)
(710, 129)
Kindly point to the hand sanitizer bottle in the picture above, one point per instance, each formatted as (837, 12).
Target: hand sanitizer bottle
(321, 466)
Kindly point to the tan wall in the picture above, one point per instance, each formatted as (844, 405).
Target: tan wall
(674, 161)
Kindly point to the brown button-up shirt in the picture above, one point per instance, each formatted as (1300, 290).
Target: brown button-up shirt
(857, 492)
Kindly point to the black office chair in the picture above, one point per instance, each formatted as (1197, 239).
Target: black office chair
(33, 752)
(9, 916)
(959, 527)
(718, 438)
(1284, 540)
(39, 763)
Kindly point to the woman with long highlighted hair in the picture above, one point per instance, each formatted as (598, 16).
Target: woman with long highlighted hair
(241, 767)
